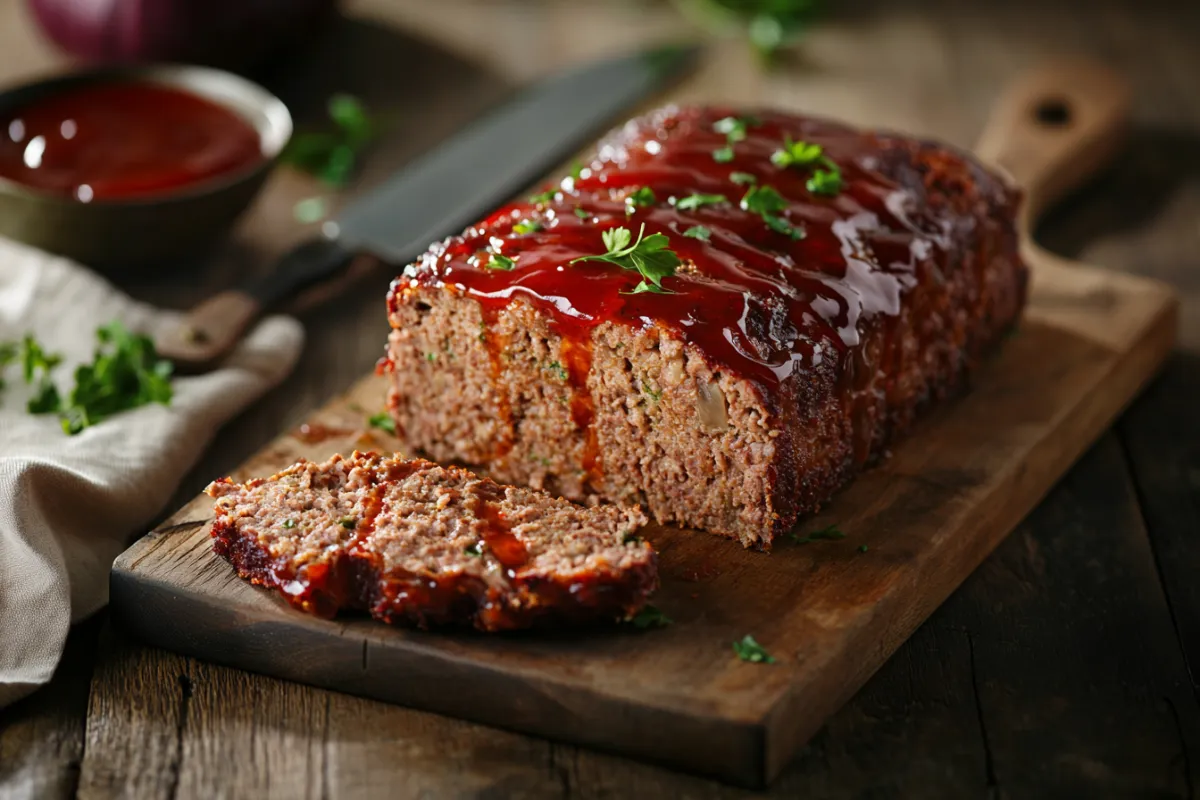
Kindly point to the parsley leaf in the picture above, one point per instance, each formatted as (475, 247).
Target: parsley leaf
(734, 128)
(828, 533)
(289, 523)
(723, 155)
(527, 226)
(698, 232)
(349, 523)
(642, 197)
(579, 212)
(695, 201)
(499, 261)
(545, 197)
(749, 650)
(576, 170)
(650, 256)
(826, 182)
(767, 203)
(827, 176)
(797, 154)
(383, 421)
(862, 548)
(333, 155)
(650, 617)
(742, 178)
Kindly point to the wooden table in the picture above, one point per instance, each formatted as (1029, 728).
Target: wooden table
(1063, 667)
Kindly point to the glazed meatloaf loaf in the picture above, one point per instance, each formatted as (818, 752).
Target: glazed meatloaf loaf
(722, 317)
(412, 542)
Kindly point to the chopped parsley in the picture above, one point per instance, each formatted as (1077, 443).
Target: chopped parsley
(547, 196)
(474, 549)
(431, 356)
(383, 421)
(558, 369)
(527, 226)
(742, 178)
(499, 261)
(734, 128)
(649, 256)
(723, 155)
(650, 617)
(695, 201)
(126, 373)
(749, 650)
(862, 548)
(641, 198)
(768, 203)
(579, 212)
(827, 176)
(289, 523)
(576, 170)
(349, 523)
(828, 533)
(698, 232)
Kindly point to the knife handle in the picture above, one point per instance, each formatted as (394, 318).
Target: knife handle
(211, 329)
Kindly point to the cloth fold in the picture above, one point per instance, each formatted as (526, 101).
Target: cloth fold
(69, 504)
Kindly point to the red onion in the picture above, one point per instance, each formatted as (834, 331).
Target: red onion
(230, 33)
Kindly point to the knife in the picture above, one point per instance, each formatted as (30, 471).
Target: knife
(441, 193)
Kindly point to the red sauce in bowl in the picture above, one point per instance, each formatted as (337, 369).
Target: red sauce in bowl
(123, 140)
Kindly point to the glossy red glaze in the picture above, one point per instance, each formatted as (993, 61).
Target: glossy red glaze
(123, 140)
(753, 300)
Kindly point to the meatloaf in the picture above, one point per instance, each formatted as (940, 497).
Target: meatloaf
(786, 296)
(412, 542)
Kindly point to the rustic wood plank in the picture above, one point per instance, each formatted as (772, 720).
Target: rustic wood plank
(1161, 434)
(41, 737)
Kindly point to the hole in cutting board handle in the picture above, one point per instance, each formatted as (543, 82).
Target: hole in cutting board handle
(1053, 112)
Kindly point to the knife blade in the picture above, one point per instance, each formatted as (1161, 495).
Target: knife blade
(441, 193)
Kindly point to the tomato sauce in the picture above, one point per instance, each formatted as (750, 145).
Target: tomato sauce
(123, 140)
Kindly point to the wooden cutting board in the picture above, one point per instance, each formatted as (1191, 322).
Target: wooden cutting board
(830, 612)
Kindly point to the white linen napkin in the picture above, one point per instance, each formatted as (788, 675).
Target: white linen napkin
(69, 504)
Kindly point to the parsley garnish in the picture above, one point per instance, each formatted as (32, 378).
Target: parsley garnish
(642, 197)
(126, 373)
(332, 155)
(289, 523)
(474, 550)
(558, 369)
(649, 256)
(576, 170)
(695, 201)
(650, 617)
(828, 533)
(767, 203)
(749, 650)
(499, 261)
(579, 212)
(742, 178)
(527, 226)
(723, 155)
(734, 128)
(827, 176)
(862, 548)
(547, 196)
(349, 523)
(383, 421)
(698, 232)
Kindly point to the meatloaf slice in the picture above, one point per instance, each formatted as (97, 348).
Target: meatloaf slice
(831, 284)
(415, 543)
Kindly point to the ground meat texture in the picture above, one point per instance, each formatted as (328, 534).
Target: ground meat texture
(799, 338)
(419, 544)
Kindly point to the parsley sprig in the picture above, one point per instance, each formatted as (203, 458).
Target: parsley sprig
(331, 155)
(768, 204)
(828, 533)
(826, 178)
(642, 198)
(649, 256)
(125, 373)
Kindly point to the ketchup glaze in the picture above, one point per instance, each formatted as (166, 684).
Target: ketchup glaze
(752, 299)
(121, 140)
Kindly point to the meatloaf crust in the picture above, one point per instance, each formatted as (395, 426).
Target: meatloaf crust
(415, 543)
(832, 284)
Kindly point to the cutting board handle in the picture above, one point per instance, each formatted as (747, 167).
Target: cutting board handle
(1054, 127)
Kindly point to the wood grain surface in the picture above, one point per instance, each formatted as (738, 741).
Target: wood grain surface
(917, 527)
(1059, 669)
